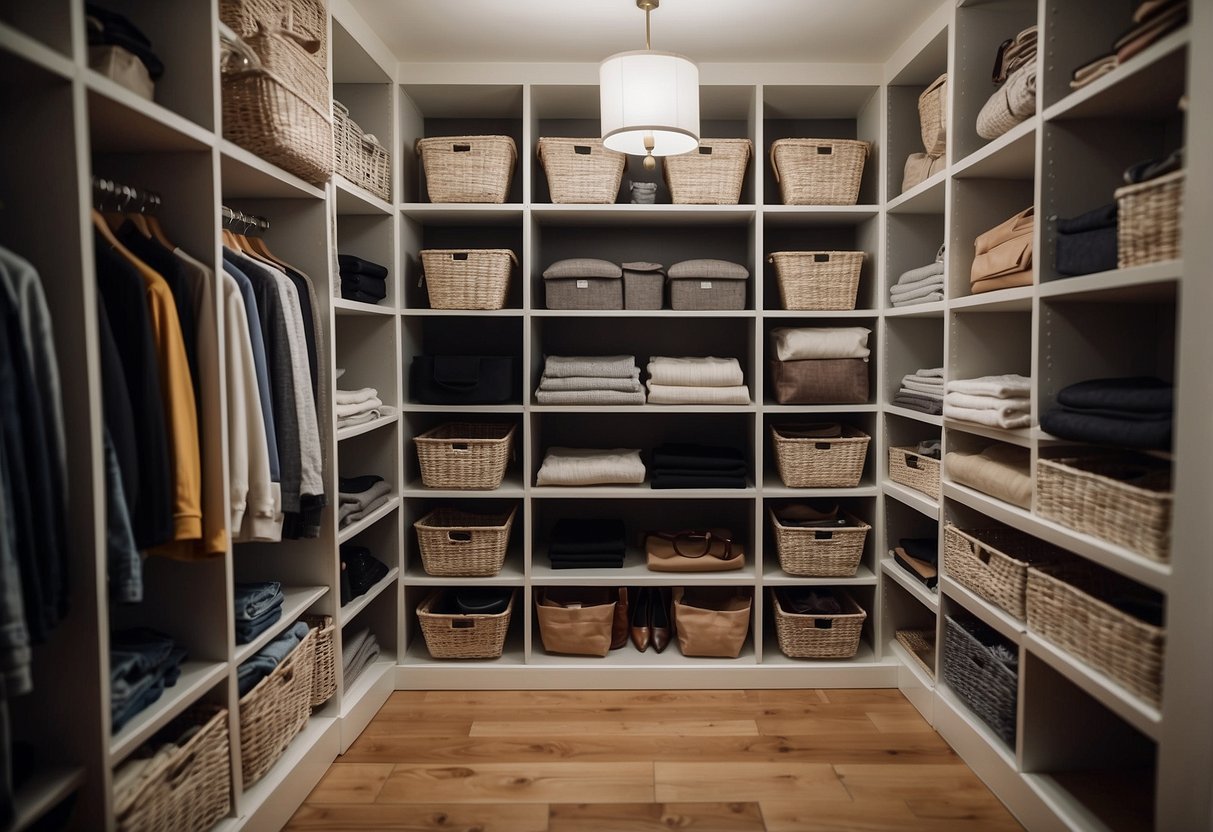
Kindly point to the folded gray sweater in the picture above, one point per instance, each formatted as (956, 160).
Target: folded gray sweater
(592, 366)
(624, 385)
(920, 273)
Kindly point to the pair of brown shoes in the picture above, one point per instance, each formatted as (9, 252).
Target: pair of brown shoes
(650, 619)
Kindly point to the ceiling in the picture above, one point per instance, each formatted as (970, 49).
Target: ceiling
(745, 31)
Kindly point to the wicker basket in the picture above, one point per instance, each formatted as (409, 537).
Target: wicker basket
(468, 168)
(306, 21)
(988, 687)
(463, 636)
(1095, 496)
(190, 789)
(276, 710)
(920, 644)
(465, 455)
(461, 544)
(821, 463)
(358, 156)
(467, 278)
(820, 636)
(817, 280)
(818, 171)
(711, 175)
(1150, 220)
(324, 676)
(581, 170)
(820, 553)
(1068, 606)
(933, 116)
(914, 470)
(994, 562)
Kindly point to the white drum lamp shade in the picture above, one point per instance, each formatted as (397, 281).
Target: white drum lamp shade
(649, 94)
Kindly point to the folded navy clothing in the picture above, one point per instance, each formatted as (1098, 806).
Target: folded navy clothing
(698, 457)
(575, 556)
(1139, 394)
(699, 481)
(1086, 252)
(1102, 217)
(1084, 426)
(363, 283)
(356, 265)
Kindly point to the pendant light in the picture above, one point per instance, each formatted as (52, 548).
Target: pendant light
(649, 100)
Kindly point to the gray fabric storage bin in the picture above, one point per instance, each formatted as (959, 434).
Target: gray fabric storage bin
(583, 283)
(707, 284)
(643, 285)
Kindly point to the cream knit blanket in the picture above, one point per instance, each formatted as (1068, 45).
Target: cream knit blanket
(695, 372)
(590, 466)
(673, 394)
(798, 343)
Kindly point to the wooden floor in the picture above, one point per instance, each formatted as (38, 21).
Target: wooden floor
(525, 761)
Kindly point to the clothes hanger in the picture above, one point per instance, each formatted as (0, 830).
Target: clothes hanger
(134, 216)
(153, 222)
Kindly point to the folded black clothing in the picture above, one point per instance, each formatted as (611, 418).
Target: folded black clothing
(588, 564)
(660, 481)
(362, 568)
(482, 600)
(356, 265)
(923, 548)
(813, 430)
(1086, 252)
(933, 407)
(662, 471)
(361, 297)
(574, 557)
(586, 549)
(698, 457)
(808, 601)
(1139, 394)
(803, 516)
(1148, 169)
(361, 283)
(1102, 217)
(929, 581)
(356, 485)
(1084, 426)
(106, 28)
(576, 535)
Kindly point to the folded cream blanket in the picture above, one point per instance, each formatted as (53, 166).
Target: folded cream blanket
(798, 343)
(1002, 471)
(590, 466)
(625, 385)
(348, 513)
(355, 396)
(367, 416)
(590, 396)
(928, 298)
(1007, 407)
(989, 418)
(1004, 387)
(918, 274)
(695, 372)
(358, 407)
(676, 394)
(926, 375)
(923, 387)
(593, 366)
(916, 290)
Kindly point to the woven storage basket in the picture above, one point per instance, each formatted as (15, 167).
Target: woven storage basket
(463, 636)
(276, 710)
(306, 20)
(820, 636)
(462, 544)
(465, 454)
(358, 156)
(817, 280)
(324, 676)
(1149, 220)
(467, 278)
(933, 116)
(468, 168)
(988, 687)
(913, 470)
(189, 790)
(1095, 496)
(920, 644)
(821, 463)
(581, 170)
(818, 171)
(713, 174)
(1067, 606)
(820, 553)
(994, 562)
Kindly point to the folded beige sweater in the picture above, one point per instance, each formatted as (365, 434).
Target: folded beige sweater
(1002, 471)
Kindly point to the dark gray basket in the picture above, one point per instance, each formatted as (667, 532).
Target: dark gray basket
(643, 287)
(707, 293)
(987, 686)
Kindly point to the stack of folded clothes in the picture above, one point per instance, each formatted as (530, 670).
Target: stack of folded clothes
(820, 365)
(921, 285)
(587, 544)
(121, 52)
(359, 496)
(922, 390)
(1087, 243)
(591, 466)
(1002, 256)
(696, 381)
(357, 654)
(143, 663)
(362, 280)
(994, 401)
(357, 407)
(681, 465)
(258, 607)
(1002, 471)
(1152, 20)
(1127, 412)
(919, 556)
(1015, 75)
(594, 380)
(360, 570)
(263, 662)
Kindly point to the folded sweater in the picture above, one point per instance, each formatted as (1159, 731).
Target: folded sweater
(1005, 407)
(1002, 471)
(355, 396)
(695, 372)
(593, 366)
(933, 407)
(1006, 386)
(669, 394)
(920, 273)
(343, 410)
(917, 291)
(623, 385)
(931, 297)
(989, 418)
(700, 457)
(590, 397)
(1088, 426)
(1141, 394)
(590, 466)
(349, 264)
(799, 343)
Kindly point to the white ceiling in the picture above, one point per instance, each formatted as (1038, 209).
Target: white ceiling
(831, 31)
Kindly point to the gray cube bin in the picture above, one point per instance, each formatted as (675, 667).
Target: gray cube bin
(708, 285)
(643, 285)
(583, 283)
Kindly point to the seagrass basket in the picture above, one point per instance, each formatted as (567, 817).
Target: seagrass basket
(467, 278)
(581, 170)
(1150, 220)
(820, 552)
(819, 636)
(461, 455)
(817, 280)
(276, 710)
(468, 168)
(821, 463)
(457, 636)
(463, 544)
(818, 171)
(712, 174)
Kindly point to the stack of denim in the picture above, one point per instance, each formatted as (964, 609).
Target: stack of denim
(143, 663)
(262, 664)
(258, 607)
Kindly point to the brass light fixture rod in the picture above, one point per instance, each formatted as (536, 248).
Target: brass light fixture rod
(647, 6)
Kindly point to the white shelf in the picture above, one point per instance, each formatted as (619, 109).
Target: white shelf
(629, 657)
(16, 42)
(121, 121)
(1007, 625)
(934, 309)
(1017, 299)
(1152, 283)
(46, 788)
(357, 430)
(463, 213)
(1011, 156)
(642, 490)
(914, 499)
(927, 597)
(415, 407)
(355, 529)
(927, 197)
(196, 679)
(511, 574)
(351, 610)
(367, 681)
(1017, 436)
(511, 486)
(355, 200)
(916, 415)
(461, 313)
(345, 307)
(806, 215)
(296, 602)
(813, 313)
(648, 215)
(925, 679)
(635, 573)
(773, 487)
(642, 313)
(642, 408)
(247, 175)
(771, 407)
(774, 576)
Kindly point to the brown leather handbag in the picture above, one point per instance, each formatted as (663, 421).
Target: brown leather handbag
(575, 620)
(1004, 254)
(700, 550)
(712, 620)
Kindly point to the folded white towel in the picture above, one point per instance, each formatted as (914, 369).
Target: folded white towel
(937, 295)
(590, 396)
(925, 394)
(358, 407)
(626, 385)
(990, 418)
(590, 466)
(355, 396)
(1007, 407)
(1004, 387)
(914, 275)
(675, 394)
(593, 366)
(695, 372)
(936, 381)
(798, 343)
(368, 416)
(928, 372)
(926, 389)
(916, 290)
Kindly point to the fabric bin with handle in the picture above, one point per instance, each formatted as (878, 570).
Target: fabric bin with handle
(994, 562)
(189, 788)
(833, 552)
(643, 285)
(712, 621)
(461, 636)
(276, 710)
(712, 174)
(468, 168)
(819, 636)
(581, 170)
(817, 280)
(576, 621)
(1150, 220)
(583, 283)
(462, 379)
(933, 116)
(820, 381)
(708, 285)
(914, 470)
(460, 455)
(974, 670)
(467, 278)
(807, 462)
(818, 171)
(463, 544)
(359, 156)
(324, 676)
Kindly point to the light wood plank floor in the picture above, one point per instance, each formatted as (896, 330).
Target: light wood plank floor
(598, 761)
